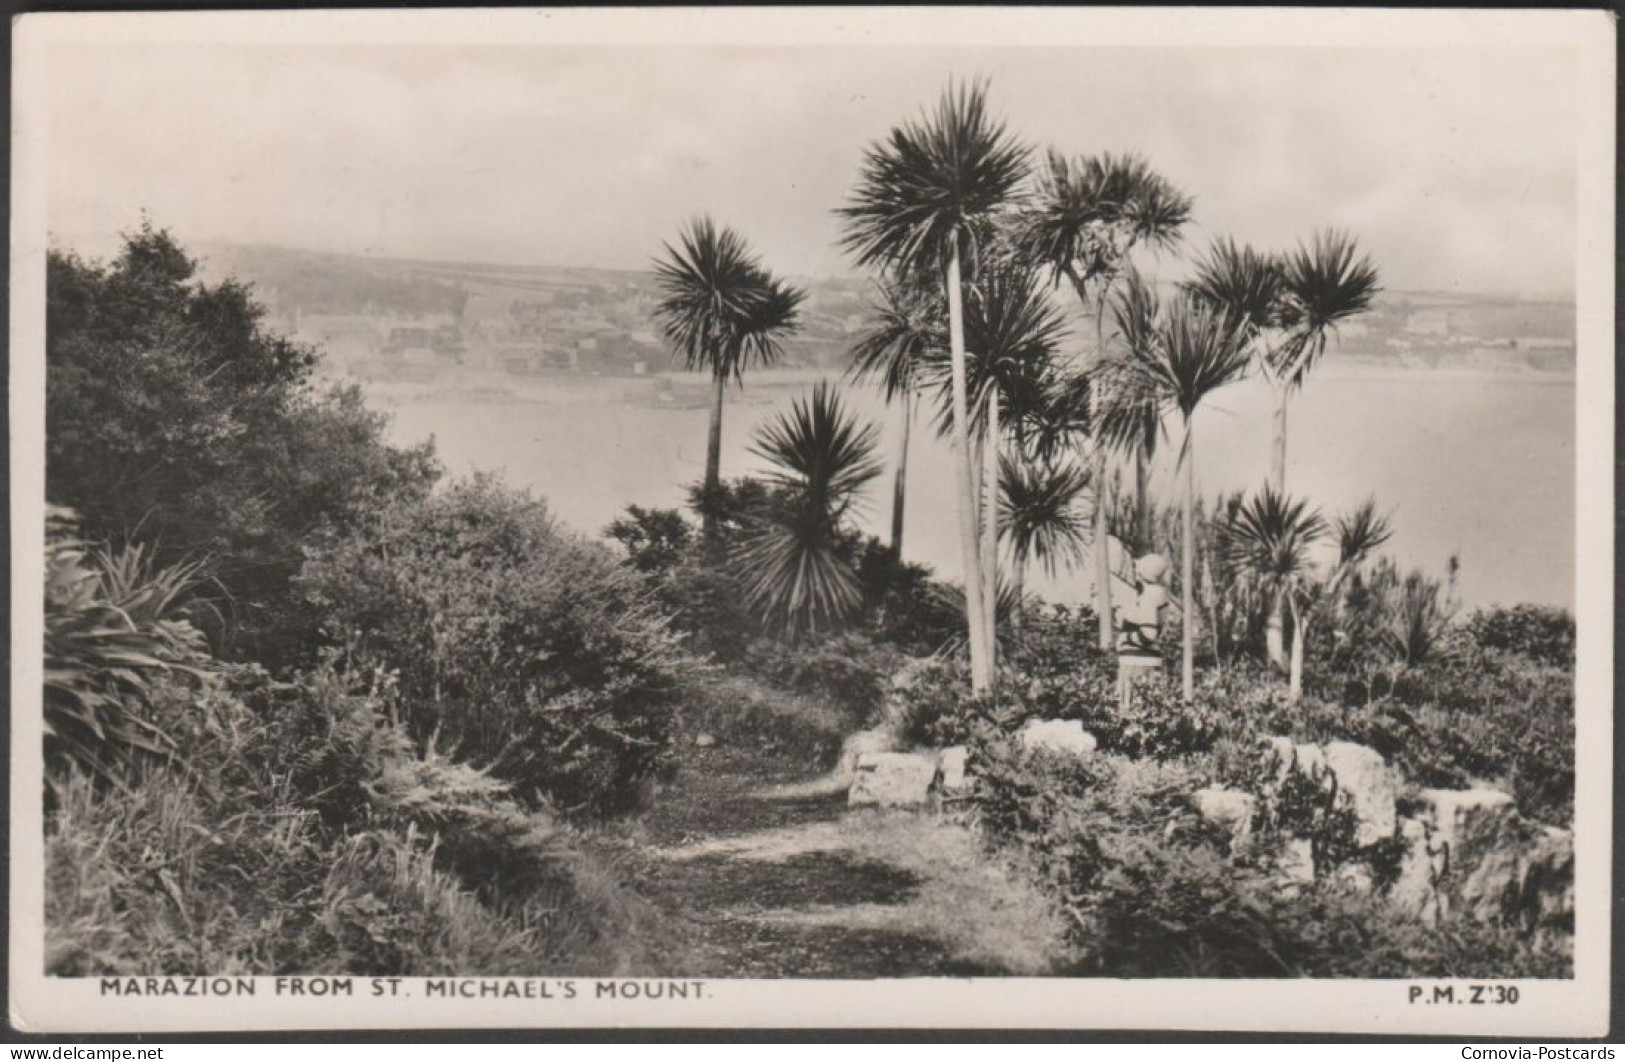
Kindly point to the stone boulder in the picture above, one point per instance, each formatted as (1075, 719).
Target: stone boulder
(1482, 841)
(951, 763)
(1228, 810)
(892, 779)
(858, 745)
(1421, 871)
(1546, 891)
(1363, 777)
(1295, 865)
(1065, 736)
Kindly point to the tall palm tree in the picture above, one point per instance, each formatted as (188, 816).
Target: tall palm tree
(924, 204)
(1269, 538)
(1288, 306)
(821, 457)
(1087, 217)
(908, 324)
(1183, 358)
(1039, 518)
(1012, 337)
(722, 311)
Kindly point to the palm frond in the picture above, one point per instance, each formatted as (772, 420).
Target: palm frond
(1323, 285)
(1269, 535)
(790, 563)
(1360, 533)
(926, 191)
(1039, 514)
(909, 323)
(1089, 212)
(719, 308)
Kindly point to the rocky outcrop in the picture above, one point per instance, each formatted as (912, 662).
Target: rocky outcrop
(863, 743)
(1365, 778)
(951, 766)
(892, 779)
(1228, 809)
(1066, 736)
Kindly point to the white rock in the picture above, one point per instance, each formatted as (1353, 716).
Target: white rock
(1228, 809)
(1416, 889)
(1363, 776)
(892, 779)
(704, 741)
(1056, 735)
(1296, 863)
(1482, 841)
(951, 763)
(863, 743)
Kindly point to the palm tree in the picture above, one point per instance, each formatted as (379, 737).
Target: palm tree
(908, 324)
(791, 565)
(924, 204)
(1289, 306)
(1269, 538)
(1087, 217)
(1187, 354)
(1039, 518)
(722, 311)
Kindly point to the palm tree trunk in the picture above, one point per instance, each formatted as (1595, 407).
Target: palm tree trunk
(1187, 572)
(990, 530)
(713, 460)
(1018, 584)
(1275, 634)
(1278, 439)
(1295, 682)
(902, 474)
(1142, 498)
(1102, 534)
(980, 673)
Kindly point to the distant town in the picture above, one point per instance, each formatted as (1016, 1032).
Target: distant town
(399, 319)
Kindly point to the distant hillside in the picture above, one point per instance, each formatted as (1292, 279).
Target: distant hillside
(378, 314)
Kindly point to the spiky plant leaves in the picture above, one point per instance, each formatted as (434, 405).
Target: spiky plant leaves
(1089, 212)
(791, 565)
(1040, 518)
(1360, 533)
(1013, 335)
(112, 629)
(719, 307)
(1270, 535)
(1322, 285)
(929, 189)
(909, 324)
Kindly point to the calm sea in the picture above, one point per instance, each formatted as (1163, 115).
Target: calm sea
(1479, 466)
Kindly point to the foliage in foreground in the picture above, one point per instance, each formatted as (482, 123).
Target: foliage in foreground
(1152, 891)
(517, 646)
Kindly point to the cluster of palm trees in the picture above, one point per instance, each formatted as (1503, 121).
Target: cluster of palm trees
(970, 235)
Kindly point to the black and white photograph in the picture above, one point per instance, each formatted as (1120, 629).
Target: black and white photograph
(818, 517)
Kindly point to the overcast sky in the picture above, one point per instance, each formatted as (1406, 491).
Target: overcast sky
(1455, 168)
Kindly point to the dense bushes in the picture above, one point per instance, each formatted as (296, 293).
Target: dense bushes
(516, 646)
(300, 833)
(1153, 891)
(174, 419)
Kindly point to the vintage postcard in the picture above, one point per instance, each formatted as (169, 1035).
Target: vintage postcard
(963, 517)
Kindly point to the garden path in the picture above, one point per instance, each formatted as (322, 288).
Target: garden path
(762, 871)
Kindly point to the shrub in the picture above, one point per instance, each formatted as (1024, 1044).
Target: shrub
(1542, 635)
(740, 710)
(847, 670)
(655, 540)
(518, 648)
(1152, 891)
(113, 630)
(173, 416)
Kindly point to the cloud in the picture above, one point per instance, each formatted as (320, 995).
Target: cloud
(1455, 166)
